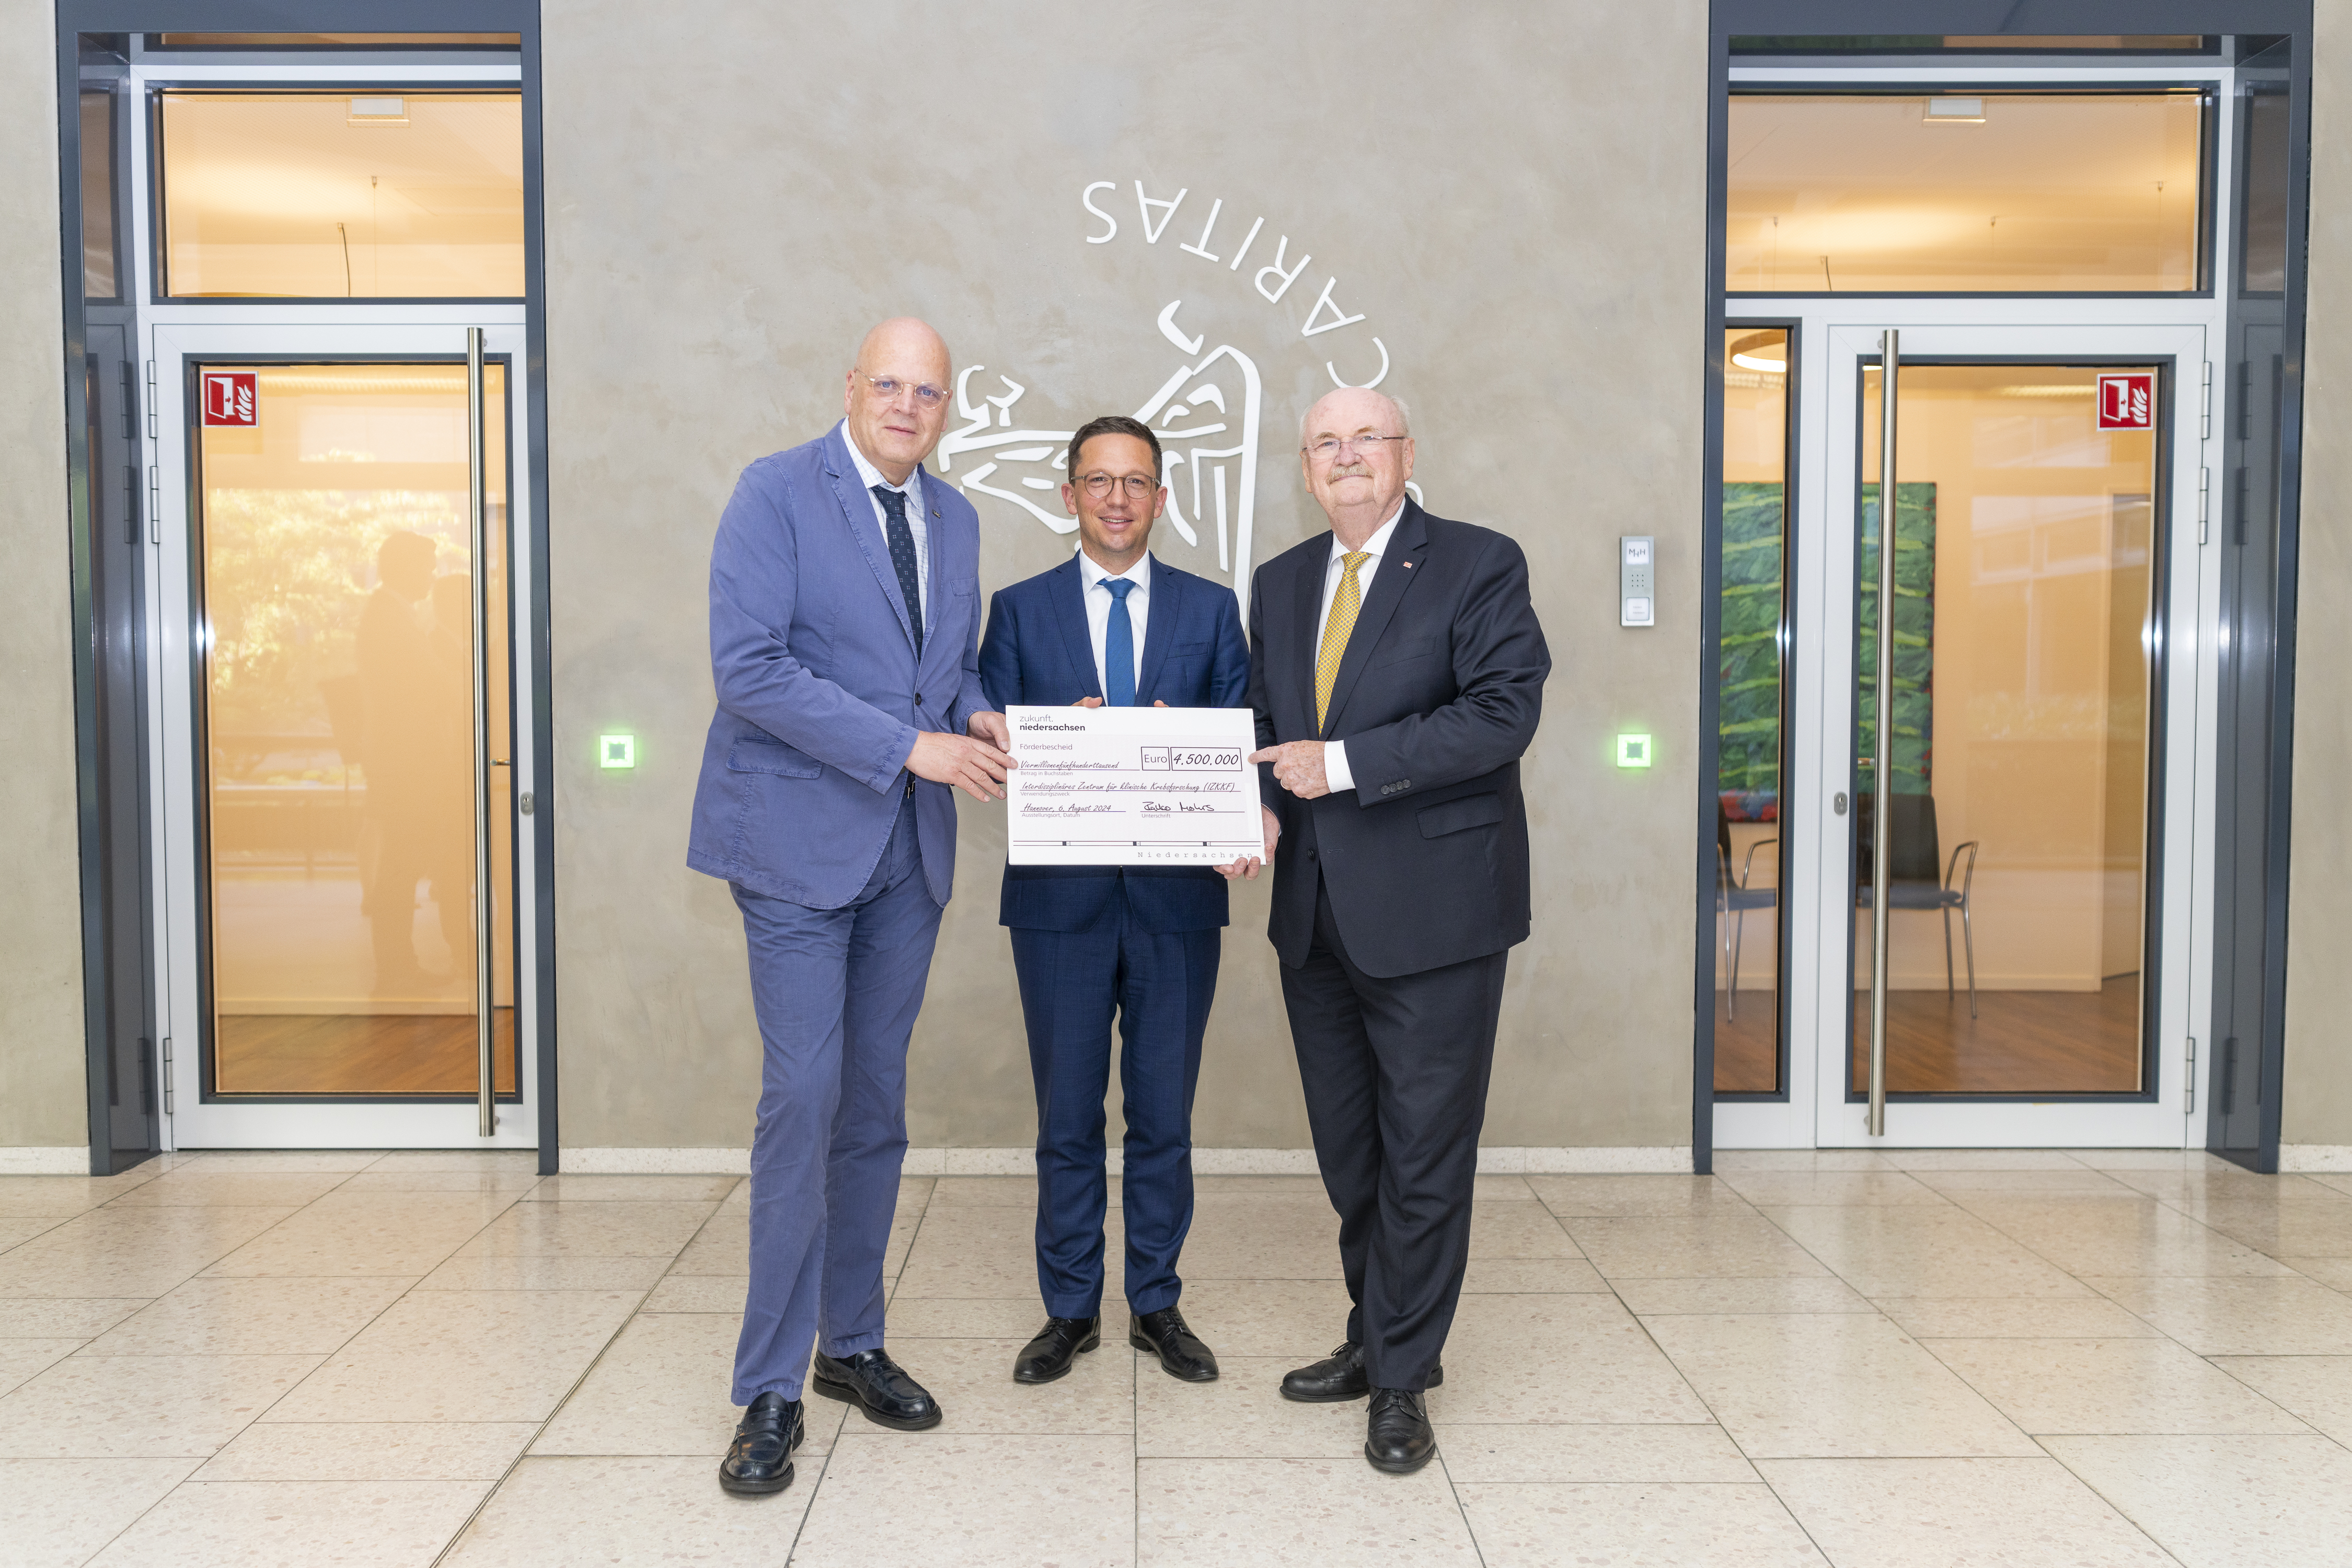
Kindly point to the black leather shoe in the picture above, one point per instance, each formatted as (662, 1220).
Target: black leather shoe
(879, 1386)
(1057, 1346)
(1397, 1438)
(760, 1460)
(1337, 1378)
(1166, 1334)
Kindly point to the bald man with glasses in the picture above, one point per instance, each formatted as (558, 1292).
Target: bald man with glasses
(1113, 624)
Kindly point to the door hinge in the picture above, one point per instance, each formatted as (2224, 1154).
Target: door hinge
(2188, 1103)
(155, 505)
(2229, 1076)
(2204, 501)
(2205, 411)
(167, 1074)
(151, 400)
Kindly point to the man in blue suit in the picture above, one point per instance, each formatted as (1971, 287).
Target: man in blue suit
(844, 607)
(1113, 625)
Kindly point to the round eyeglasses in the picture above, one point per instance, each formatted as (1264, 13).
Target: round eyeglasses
(1137, 486)
(886, 388)
(1329, 448)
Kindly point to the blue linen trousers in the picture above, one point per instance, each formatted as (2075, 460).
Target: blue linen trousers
(836, 991)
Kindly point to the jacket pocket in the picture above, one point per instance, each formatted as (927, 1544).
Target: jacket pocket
(1419, 648)
(762, 756)
(1453, 815)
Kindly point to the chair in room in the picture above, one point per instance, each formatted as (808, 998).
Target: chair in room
(1734, 899)
(1918, 877)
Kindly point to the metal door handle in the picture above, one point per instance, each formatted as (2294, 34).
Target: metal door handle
(477, 520)
(1882, 748)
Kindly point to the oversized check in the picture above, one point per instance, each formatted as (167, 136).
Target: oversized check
(1132, 787)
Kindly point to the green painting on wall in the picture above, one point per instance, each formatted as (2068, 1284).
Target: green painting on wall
(1747, 742)
(1912, 754)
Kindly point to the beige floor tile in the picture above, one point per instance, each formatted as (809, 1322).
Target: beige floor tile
(1659, 1297)
(723, 1246)
(634, 1189)
(1727, 1160)
(298, 1524)
(973, 1382)
(2315, 1388)
(280, 1160)
(1266, 1238)
(2149, 1160)
(973, 1500)
(1784, 1188)
(1514, 1360)
(1991, 1318)
(722, 1293)
(1982, 1160)
(1205, 1188)
(997, 1192)
(1530, 1277)
(1334, 1513)
(1635, 1526)
(2137, 1238)
(199, 1187)
(1511, 1230)
(2285, 1316)
(1884, 1252)
(402, 1234)
(129, 1252)
(1592, 1455)
(552, 1325)
(2340, 1182)
(1742, 1245)
(2304, 1227)
(1956, 1513)
(966, 1317)
(2225, 1502)
(494, 1184)
(1501, 1189)
(22, 1360)
(39, 1318)
(2192, 1184)
(1300, 1320)
(539, 1271)
(54, 1513)
(457, 1160)
(1831, 1387)
(62, 1197)
(20, 1228)
(2076, 1182)
(992, 1252)
(253, 1317)
(648, 1228)
(142, 1406)
(569, 1512)
(1240, 1416)
(1604, 1197)
(430, 1386)
(369, 1451)
(2101, 1387)
(2336, 1273)
(660, 1388)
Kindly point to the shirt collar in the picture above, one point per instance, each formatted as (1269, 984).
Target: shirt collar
(869, 476)
(1378, 544)
(1090, 572)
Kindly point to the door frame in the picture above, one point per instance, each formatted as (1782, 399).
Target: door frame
(194, 1120)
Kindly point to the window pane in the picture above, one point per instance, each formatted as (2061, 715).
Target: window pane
(2264, 183)
(334, 196)
(1748, 733)
(1986, 191)
(98, 269)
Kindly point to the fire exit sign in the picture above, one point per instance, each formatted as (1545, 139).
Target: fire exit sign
(231, 398)
(2127, 402)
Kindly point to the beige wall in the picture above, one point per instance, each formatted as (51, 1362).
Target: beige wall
(729, 204)
(41, 1074)
(2316, 1101)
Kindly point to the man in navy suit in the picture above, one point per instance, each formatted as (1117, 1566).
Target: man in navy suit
(1113, 625)
(844, 607)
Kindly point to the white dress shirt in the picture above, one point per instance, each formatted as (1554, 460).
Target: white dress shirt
(918, 519)
(1335, 752)
(1098, 603)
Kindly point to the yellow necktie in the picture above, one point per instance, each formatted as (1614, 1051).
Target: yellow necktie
(1336, 632)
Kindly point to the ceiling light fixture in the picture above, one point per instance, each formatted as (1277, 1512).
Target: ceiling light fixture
(379, 111)
(1767, 352)
(1954, 111)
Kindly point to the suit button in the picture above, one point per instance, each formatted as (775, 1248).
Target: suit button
(1310, 854)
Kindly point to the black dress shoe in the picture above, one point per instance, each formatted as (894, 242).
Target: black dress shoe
(879, 1386)
(760, 1460)
(1398, 1439)
(1338, 1377)
(1166, 1334)
(1057, 1346)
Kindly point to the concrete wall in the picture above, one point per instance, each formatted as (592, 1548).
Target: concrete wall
(729, 204)
(41, 1072)
(2316, 1102)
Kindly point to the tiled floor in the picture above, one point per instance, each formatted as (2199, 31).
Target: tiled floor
(1910, 1360)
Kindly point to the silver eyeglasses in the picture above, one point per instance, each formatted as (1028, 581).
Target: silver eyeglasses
(1329, 448)
(1137, 486)
(887, 387)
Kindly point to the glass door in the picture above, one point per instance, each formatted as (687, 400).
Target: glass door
(2030, 835)
(344, 923)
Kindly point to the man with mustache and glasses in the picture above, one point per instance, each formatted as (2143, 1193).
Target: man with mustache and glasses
(844, 615)
(1114, 625)
(1397, 669)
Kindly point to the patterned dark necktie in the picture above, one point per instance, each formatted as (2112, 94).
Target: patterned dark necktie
(902, 557)
(1118, 646)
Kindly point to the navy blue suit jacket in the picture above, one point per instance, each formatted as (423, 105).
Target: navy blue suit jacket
(1037, 651)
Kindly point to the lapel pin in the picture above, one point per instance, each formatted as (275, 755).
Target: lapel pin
(1408, 566)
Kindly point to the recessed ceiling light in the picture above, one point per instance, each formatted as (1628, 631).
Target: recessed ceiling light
(1955, 111)
(379, 111)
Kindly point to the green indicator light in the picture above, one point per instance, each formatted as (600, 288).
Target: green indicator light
(616, 751)
(1633, 751)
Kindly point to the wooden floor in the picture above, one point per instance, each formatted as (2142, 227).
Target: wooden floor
(2020, 1041)
(355, 1054)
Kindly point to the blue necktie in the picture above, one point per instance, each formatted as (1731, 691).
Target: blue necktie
(1118, 646)
(902, 556)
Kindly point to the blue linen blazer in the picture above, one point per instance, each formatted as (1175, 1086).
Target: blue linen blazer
(820, 691)
(1038, 650)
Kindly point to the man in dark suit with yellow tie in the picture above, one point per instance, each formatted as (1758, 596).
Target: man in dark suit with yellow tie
(1397, 669)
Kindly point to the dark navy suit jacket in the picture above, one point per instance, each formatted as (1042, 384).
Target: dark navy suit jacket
(1037, 651)
(820, 689)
